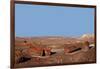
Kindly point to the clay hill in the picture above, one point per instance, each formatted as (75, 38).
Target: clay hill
(88, 37)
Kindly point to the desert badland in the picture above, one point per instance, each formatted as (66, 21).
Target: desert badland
(52, 50)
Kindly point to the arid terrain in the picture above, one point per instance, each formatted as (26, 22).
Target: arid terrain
(54, 50)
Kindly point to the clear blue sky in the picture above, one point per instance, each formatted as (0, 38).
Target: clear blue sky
(40, 20)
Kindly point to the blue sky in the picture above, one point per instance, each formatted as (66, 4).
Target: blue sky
(40, 20)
